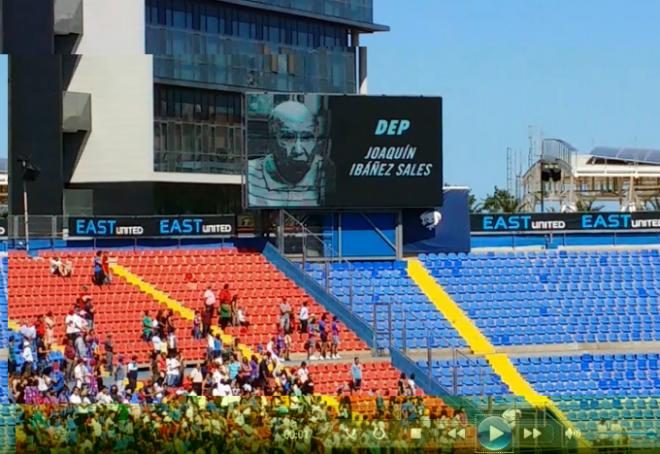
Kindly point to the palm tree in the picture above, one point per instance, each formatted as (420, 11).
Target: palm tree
(501, 201)
(475, 207)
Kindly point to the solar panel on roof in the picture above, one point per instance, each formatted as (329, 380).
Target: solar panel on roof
(640, 155)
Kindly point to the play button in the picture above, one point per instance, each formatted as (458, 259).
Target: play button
(494, 434)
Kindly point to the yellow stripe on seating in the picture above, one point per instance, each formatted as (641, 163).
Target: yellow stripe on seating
(503, 367)
(479, 343)
(163, 298)
(188, 314)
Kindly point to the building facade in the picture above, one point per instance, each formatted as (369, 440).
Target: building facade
(137, 106)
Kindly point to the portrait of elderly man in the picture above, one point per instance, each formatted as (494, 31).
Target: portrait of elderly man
(295, 171)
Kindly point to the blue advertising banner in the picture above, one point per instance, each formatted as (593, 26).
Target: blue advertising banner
(152, 227)
(564, 222)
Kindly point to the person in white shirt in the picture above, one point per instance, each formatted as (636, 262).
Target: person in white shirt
(197, 379)
(157, 343)
(303, 317)
(55, 266)
(27, 355)
(75, 397)
(242, 318)
(43, 383)
(270, 347)
(80, 373)
(60, 268)
(223, 389)
(79, 322)
(103, 397)
(209, 300)
(411, 385)
(511, 416)
(171, 342)
(71, 328)
(303, 373)
(172, 371)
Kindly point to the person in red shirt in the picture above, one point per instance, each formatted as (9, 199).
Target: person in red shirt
(105, 266)
(225, 295)
(83, 297)
(40, 327)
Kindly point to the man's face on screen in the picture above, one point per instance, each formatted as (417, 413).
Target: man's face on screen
(295, 130)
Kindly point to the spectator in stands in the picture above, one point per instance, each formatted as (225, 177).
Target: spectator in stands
(28, 358)
(356, 375)
(197, 379)
(172, 370)
(303, 316)
(99, 277)
(334, 354)
(311, 343)
(402, 384)
(88, 311)
(146, 326)
(132, 373)
(172, 345)
(286, 353)
(60, 268)
(168, 323)
(225, 295)
(49, 324)
(323, 335)
(197, 326)
(105, 266)
(209, 301)
(157, 342)
(69, 359)
(273, 350)
(234, 310)
(109, 353)
(285, 315)
(243, 321)
(225, 314)
(412, 386)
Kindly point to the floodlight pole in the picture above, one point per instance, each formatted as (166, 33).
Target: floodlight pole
(25, 214)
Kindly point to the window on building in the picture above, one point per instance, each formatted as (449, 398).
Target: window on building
(224, 19)
(195, 130)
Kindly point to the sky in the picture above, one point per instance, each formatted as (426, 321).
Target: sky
(3, 106)
(587, 72)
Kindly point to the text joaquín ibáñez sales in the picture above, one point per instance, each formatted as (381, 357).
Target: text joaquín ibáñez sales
(391, 161)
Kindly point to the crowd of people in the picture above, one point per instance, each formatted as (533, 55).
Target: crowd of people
(88, 370)
(252, 425)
